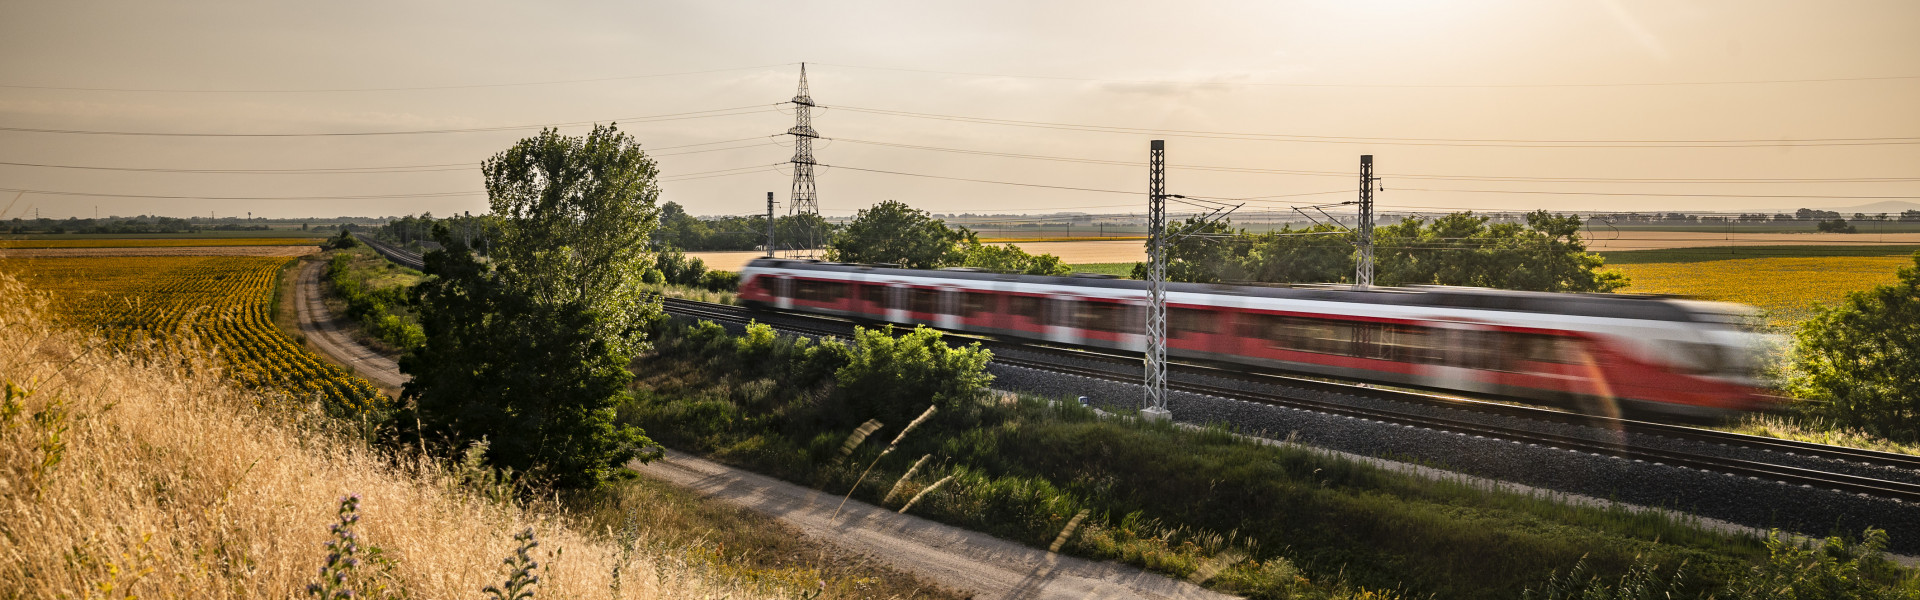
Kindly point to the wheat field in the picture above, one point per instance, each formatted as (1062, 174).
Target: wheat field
(134, 477)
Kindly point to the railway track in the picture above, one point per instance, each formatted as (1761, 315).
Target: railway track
(1062, 359)
(393, 253)
(1059, 360)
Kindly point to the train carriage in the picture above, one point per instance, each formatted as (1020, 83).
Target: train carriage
(1649, 355)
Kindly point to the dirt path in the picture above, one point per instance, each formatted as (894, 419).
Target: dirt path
(321, 329)
(990, 567)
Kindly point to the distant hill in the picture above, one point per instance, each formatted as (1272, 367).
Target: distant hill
(1893, 207)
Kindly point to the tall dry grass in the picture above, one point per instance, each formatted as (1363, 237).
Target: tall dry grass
(123, 477)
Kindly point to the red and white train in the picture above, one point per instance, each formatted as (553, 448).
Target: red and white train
(1596, 352)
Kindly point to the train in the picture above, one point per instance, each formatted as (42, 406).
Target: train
(1611, 354)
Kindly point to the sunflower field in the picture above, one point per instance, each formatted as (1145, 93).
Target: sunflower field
(222, 303)
(1787, 288)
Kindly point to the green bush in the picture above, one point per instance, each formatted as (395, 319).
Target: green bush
(894, 378)
(376, 310)
(1858, 364)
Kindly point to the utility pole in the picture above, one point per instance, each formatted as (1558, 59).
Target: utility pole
(769, 224)
(1156, 408)
(804, 201)
(1158, 239)
(1363, 278)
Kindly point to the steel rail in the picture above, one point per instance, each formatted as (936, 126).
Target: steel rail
(1843, 482)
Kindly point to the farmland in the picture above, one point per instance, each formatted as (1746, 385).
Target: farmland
(1786, 282)
(220, 302)
(108, 242)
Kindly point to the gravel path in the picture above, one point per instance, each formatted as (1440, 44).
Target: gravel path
(324, 332)
(989, 567)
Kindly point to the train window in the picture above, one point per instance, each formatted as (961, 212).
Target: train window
(875, 294)
(819, 291)
(1191, 320)
(783, 288)
(923, 300)
(1405, 343)
(1324, 336)
(980, 303)
(1026, 306)
(1104, 316)
(1542, 348)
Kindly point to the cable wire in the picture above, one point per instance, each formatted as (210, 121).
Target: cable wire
(702, 114)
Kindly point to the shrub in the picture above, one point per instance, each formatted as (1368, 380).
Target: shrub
(722, 281)
(890, 378)
(1858, 364)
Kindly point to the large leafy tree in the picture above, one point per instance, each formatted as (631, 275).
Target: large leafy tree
(892, 232)
(1858, 364)
(529, 350)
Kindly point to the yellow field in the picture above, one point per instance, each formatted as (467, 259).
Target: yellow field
(1787, 288)
(222, 301)
(157, 243)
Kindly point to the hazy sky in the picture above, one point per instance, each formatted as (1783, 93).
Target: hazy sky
(1417, 77)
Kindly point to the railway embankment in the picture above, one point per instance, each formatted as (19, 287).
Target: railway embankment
(1206, 504)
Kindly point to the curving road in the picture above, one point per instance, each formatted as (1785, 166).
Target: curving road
(322, 329)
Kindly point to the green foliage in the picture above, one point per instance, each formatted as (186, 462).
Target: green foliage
(892, 232)
(1024, 470)
(530, 350)
(383, 311)
(1834, 226)
(1006, 259)
(1858, 364)
(1545, 254)
(340, 242)
(1834, 568)
(342, 554)
(520, 571)
(681, 230)
(890, 378)
(574, 216)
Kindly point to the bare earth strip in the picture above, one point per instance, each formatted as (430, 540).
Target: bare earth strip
(163, 251)
(990, 567)
(321, 329)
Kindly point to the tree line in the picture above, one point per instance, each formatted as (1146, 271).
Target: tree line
(1545, 253)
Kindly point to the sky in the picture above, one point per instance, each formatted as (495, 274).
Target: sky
(1492, 105)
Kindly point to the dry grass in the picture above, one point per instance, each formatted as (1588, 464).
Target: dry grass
(150, 478)
(1818, 433)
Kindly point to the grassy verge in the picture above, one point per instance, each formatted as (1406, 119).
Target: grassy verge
(373, 293)
(697, 294)
(1242, 517)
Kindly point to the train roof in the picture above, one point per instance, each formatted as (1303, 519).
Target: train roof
(1624, 306)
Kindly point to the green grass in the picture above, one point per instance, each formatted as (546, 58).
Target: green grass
(1250, 518)
(1115, 269)
(1689, 255)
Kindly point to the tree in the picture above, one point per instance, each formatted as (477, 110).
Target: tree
(529, 350)
(1834, 226)
(1006, 259)
(1858, 364)
(892, 232)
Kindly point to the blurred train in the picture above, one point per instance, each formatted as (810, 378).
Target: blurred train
(1599, 353)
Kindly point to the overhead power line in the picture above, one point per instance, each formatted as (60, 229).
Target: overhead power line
(1392, 141)
(462, 166)
(703, 114)
(1219, 83)
(1258, 170)
(1664, 195)
(383, 89)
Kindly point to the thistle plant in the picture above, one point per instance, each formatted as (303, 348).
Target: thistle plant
(520, 580)
(883, 454)
(342, 553)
